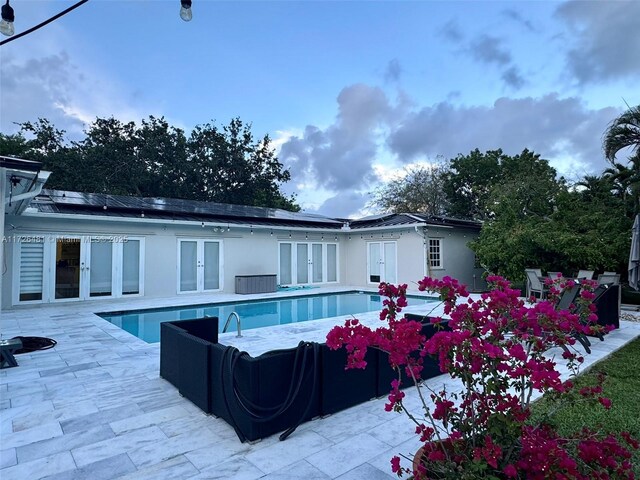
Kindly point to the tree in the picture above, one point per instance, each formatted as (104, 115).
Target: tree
(518, 206)
(469, 181)
(228, 166)
(623, 133)
(156, 159)
(418, 190)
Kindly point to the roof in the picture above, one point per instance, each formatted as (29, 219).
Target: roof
(20, 164)
(173, 209)
(100, 204)
(409, 219)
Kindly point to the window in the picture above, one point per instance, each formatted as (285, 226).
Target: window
(31, 269)
(435, 252)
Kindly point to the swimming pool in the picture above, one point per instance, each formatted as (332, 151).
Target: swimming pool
(145, 324)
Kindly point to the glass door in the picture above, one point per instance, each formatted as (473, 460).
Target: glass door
(100, 268)
(303, 263)
(382, 263)
(211, 265)
(188, 266)
(316, 263)
(390, 266)
(199, 265)
(68, 267)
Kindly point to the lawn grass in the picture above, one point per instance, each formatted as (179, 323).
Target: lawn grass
(622, 386)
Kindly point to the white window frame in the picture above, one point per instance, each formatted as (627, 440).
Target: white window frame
(325, 265)
(200, 258)
(440, 265)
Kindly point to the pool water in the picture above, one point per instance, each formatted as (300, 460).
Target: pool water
(145, 324)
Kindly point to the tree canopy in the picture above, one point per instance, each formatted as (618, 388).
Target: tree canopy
(419, 190)
(155, 159)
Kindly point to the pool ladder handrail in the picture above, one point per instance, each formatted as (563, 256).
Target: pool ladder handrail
(238, 324)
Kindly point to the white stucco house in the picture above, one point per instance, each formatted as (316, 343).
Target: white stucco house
(62, 246)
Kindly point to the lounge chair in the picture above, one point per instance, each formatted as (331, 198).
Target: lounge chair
(609, 278)
(535, 284)
(585, 274)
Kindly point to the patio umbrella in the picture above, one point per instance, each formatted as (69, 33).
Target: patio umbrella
(634, 255)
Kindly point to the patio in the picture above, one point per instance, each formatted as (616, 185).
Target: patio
(94, 407)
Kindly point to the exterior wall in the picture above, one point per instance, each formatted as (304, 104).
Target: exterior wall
(246, 253)
(458, 260)
(410, 256)
(243, 252)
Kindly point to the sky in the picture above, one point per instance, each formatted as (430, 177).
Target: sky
(351, 92)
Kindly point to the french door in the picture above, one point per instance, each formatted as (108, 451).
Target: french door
(199, 265)
(382, 262)
(308, 262)
(77, 268)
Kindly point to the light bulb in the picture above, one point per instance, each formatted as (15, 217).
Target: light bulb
(185, 10)
(6, 28)
(6, 25)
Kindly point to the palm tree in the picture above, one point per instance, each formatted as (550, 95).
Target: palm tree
(623, 132)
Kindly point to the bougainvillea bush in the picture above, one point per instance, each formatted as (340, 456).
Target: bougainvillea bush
(504, 352)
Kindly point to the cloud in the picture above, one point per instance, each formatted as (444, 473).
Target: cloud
(55, 88)
(451, 31)
(563, 130)
(345, 204)
(512, 77)
(516, 17)
(605, 40)
(393, 71)
(489, 49)
(340, 156)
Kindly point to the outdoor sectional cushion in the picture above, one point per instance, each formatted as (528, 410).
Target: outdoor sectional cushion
(268, 394)
(341, 388)
(184, 357)
(430, 366)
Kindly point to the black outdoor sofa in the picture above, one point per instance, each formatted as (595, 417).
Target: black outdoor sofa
(275, 391)
(280, 389)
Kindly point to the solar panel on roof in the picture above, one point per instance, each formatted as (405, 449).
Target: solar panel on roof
(181, 206)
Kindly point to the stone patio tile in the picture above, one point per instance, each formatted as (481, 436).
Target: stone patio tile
(346, 455)
(31, 435)
(9, 414)
(297, 447)
(114, 446)
(113, 467)
(67, 369)
(8, 457)
(146, 455)
(301, 469)
(31, 419)
(382, 461)
(173, 469)
(101, 417)
(63, 443)
(39, 468)
(396, 431)
(347, 423)
(236, 468)
(151, 418)
(366, 471)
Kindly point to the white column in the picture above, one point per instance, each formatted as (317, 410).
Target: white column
(3, 175)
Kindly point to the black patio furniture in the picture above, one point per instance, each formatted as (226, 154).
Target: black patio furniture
(7, 349)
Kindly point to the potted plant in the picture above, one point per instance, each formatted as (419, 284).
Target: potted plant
(501, 351)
